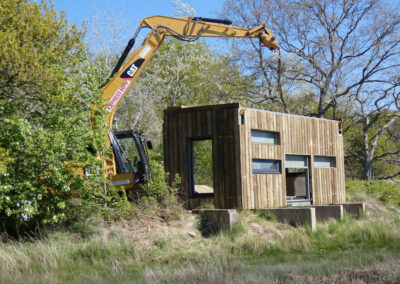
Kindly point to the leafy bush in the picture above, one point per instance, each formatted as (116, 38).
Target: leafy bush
(157, 197)
(384, 191)
(48, 120)
(44, 171)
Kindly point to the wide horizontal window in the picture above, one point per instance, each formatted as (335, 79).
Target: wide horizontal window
(324, 162)
(264, 137)
(296, 161)
(266, 166)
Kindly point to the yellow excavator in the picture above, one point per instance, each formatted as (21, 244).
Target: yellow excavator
(129, 164)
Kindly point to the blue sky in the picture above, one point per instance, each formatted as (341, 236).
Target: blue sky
(132, 10)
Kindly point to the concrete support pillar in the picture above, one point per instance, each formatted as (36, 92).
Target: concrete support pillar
(219, 219)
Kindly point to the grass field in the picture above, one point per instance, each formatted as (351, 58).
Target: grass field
(258, 250)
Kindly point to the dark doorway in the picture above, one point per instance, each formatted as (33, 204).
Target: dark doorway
(298, 186)
(201, 168)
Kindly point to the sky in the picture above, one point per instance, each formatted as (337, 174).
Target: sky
(131, 12)
(134, 10)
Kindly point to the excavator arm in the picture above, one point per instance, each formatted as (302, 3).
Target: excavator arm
(186, 28)
(183, 28)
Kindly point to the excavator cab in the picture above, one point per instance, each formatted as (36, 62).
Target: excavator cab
(132, 163)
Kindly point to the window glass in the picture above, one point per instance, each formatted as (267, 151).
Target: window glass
(264, 137)
(295, 161)
(324, 162)
(202, 167)
(296, 183)
(130, 153)
(266, 166)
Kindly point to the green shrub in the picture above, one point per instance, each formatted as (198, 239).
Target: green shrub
(161, 242)
(384, 191)
(237, 230)
(46, 154)
(47, 120)
(157, 197)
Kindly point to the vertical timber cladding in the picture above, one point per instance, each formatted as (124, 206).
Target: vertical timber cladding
(261, 190)
(298, 136)
(218, 122)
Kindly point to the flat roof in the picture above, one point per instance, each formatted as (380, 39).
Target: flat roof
(200, 108)
(288, 114)
(174, 109)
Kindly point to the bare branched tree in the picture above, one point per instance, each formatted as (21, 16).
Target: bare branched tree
(331, 47)
(378, 111)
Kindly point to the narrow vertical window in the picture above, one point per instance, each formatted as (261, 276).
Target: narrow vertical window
(298, 184)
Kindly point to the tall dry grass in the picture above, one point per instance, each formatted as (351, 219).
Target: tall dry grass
(151, 250)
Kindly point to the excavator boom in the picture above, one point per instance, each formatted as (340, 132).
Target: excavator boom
(127, 71)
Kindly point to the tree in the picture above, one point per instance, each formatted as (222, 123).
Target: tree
(180, 73)
(47, 118)
(36, 47)
(345, 54)
(376, 115)
(330, 47)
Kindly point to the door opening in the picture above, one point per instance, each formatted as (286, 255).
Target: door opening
(201, 168)
(298, 186)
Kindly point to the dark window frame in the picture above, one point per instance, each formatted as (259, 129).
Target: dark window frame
(192, 192)
(269, 171)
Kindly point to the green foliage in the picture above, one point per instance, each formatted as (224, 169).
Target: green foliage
(207, 205)
(356, 153)
(36, 47)
(158, 187)
(4, 160)
(47, 121)
(384, 191)
(156, 198)
(161, 243)
(238, 229)
(179, 73)
(203, 162)
(268, 215)
(47, 160)
(86, 225)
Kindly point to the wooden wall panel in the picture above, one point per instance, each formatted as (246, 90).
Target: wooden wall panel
(220, 123)
(340, 175)
(235, 185)
(260, 190)
(298, 136)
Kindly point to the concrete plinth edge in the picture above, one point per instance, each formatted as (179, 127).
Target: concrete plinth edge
(220, 219)
(354, 208)
(294, 216)
(325, 212)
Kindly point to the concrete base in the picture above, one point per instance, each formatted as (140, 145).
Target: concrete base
(219, 219)
(355, 208)
(325, 212)
(294, 216)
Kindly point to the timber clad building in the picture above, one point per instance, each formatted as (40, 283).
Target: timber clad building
(235, 157)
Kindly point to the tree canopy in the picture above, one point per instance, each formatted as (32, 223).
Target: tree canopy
(47, 94)
(341, 56)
